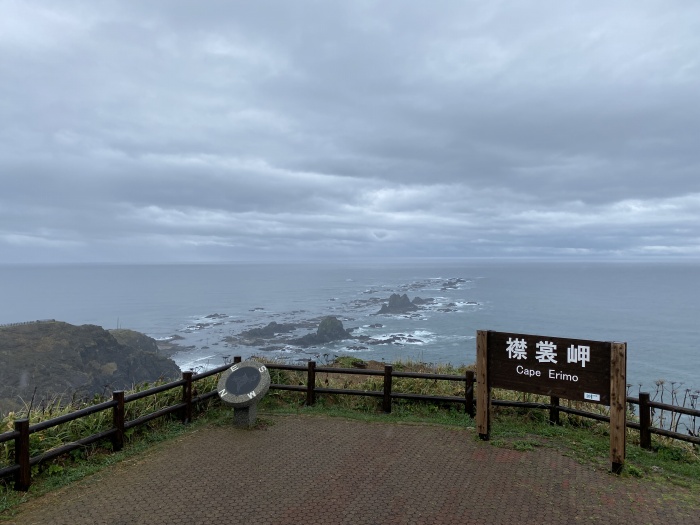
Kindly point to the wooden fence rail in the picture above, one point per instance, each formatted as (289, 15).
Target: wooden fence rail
(21, 470)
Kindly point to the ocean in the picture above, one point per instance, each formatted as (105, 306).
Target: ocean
(653, 307)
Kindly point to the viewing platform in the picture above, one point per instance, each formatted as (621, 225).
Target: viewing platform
(323, 470)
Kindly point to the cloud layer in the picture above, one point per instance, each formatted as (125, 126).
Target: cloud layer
(206, 131)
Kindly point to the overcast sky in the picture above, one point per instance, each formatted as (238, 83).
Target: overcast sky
(172, 130)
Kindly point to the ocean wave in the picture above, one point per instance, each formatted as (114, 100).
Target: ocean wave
(199, 363)
(290, 349)
(416, 337)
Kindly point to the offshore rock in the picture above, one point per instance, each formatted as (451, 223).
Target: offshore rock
(330, 329)
(41, 362)
(271, 330)
(398, 304)
(453, 284)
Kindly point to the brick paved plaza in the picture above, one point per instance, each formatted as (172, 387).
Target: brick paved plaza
(322, 470)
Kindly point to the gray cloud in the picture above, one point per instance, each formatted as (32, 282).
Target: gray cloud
(173, 130)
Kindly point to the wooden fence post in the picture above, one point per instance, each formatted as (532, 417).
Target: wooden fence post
(118, 421)
(618, 406)
(187, 397)
(23, 477)
(386, 402)
(483, 390)
(469, 393)
(644, 421)
(311, 384)
(554, 410)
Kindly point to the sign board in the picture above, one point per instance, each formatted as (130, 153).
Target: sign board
(577, 369)
(574, 369)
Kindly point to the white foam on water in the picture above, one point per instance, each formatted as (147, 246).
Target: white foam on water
(414, 337)
(198, 363)
(289, 349)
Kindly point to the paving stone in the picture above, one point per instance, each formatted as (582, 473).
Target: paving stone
(318, 470)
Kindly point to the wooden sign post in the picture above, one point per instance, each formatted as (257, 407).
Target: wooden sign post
(581, 370)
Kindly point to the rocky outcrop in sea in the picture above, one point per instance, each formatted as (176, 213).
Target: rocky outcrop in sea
(329, 330)
(401, 304)
(299, 335)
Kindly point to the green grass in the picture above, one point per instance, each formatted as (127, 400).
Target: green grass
(399, 414)
(348, 362)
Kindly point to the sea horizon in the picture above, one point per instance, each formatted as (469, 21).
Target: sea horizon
(651, 305)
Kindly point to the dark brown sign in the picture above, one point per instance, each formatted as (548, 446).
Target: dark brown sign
(576, 369)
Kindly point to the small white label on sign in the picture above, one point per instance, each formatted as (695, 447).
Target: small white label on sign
(591, 397)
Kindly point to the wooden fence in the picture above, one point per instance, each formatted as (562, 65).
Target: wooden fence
(387, 394)
(21, 469)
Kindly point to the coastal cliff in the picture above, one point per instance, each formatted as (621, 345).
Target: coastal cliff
(45, 360)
